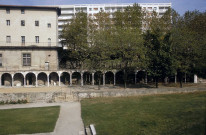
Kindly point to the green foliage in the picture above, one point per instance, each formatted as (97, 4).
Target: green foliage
(174, 114)
(23, 101)
(28, 120)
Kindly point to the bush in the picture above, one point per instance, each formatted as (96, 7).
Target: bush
(23, 101)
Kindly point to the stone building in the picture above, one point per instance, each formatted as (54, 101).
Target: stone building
(28, 44)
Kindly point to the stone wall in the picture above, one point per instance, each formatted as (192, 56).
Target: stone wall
(78, 95)
(34, 97)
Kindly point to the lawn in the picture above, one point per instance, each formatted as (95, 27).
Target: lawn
(171, 114)
(28, 120)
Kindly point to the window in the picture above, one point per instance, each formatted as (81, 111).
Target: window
(95, 9)
(37, 39)
(23, 40)
(49, 25)
(8, 11)
(36, 23)
(22, 22)
(0, 60)
(49, 41)
(90, 9)
(8, 39)
(26, 59)
(22, 11)
(8, 22)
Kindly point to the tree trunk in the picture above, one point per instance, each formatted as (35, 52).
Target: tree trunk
(180, 79)
(125, 79)
(156, 82)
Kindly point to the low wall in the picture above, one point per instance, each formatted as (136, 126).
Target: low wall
(34, 97)
(78, 95)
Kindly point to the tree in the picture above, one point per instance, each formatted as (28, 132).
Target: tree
(159, 50)
(188, 43)
(100, 31)
(127, 40)
(74, 36)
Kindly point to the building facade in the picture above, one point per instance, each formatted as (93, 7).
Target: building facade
(28, 43)
(68, 11)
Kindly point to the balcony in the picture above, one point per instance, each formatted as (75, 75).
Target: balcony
(28, 44)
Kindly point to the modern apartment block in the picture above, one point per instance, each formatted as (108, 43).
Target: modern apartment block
(68, 11)
(28, 44)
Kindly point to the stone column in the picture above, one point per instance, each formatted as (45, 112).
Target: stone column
(92, 78)
(48, 80)
(24, 80)
(103, 79)
(195, 78)
(0, 80)
(82, 79)
(12, 80)
(114, 78)
(70, 79)
(36, 81)
(59, 79)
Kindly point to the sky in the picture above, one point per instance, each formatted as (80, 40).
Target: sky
(181, 6)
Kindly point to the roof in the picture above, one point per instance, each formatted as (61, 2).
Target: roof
(33, 7)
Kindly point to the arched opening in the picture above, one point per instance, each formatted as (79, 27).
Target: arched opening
(131, 78)
(65, 78)
(76, 78)
(18, 79)
(109, 78)
(42, 79)
(6, 79)
(87, 77)
(30, 79)
(98, 78)
(120, 77)
(54, 79)
(140, 77)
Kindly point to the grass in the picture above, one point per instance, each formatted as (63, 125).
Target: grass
(28, 120)
(172, 114)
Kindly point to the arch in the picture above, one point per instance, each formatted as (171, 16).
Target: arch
(120, 77)
(42, 79)
(65, 78)
(6, 79)
(140, 76)
(18, 79)
(98, 78)
(76, 78)
(87, 77)
(109, 77)
(30, 79)
(54, 79)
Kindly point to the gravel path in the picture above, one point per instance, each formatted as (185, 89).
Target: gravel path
(69, 122)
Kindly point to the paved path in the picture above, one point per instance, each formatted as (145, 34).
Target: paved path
(69, 122)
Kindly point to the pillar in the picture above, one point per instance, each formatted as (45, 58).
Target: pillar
(36, 81)
(48, 80)
(12, 80)
(103, 79)
(24, 80)
(59, 79)
(70, 79)
(92, 78)
(114, 78)
(82, 79)
(195, 78)
(0, 80)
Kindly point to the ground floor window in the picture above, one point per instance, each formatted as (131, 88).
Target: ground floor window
(26, 59)
(0, 60)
